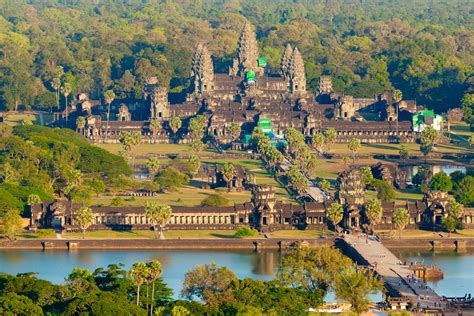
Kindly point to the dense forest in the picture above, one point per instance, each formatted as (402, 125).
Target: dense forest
(46, 162)
(425, 48)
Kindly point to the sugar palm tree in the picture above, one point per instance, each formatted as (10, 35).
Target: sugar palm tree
(109, 97)
(138, 276)
(80, 123)
(66, 90)
(154, 272)
(228, 173)
(155, 127)
(56, 84)
(159, 215)
(153, 164)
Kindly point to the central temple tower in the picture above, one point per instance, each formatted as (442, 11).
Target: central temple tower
(247, 53)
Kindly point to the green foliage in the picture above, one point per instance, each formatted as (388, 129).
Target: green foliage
(451, 223)
(159, 215)
(373, 211)
(401, 218)
(355, 286)
(464, 191)
(84, 218)
(441, 182)
(335, 212)
(246, 232)
(354, 146)
(467, 104)
(419, 58)
(210, 283)
(385, 191)
(297, 180)
(215, 200)
(171, 178)
(12, 224)
(117, 201)
(423, 175)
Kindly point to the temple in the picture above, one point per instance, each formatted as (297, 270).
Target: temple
(264, 212)
(247, 93)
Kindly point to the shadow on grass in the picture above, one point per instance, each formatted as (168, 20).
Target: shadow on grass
(31, 236)
(223, 236)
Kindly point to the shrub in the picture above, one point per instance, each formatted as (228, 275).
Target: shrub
(171, 178)
(215, 200)
(246, 232)
(117, 201)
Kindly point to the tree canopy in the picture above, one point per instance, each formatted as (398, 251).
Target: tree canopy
(420, 47)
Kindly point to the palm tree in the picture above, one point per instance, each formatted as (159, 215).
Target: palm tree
(81, 123)
(153, 164)
(228, 173)
(175, 124)
(155, 127)
(335, 213)
(159, 216)
(137, 274)
(154, 272)
(109, 97)
(66, 90)
(56, 84)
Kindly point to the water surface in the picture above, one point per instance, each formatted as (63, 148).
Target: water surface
(55, 265)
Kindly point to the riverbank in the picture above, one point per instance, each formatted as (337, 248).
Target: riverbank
(229, 243)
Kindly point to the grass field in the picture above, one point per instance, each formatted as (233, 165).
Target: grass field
(191, 234)
(185, 196)
(13, 119)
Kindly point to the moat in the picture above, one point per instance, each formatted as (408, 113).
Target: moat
(56, 265)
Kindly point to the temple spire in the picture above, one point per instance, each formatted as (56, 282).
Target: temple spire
(285, 60)
(247, 50)
(296, 73)
(202, 69)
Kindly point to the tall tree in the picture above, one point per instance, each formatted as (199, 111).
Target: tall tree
(12, 223)
(153, 165)
(335, 213)
(109, 97)
(66, 90)
(401, 219)
(155, 270)
(234, 130)
(228, 173)
(155, 128)
(330, 136)
(85, 219)
(138, 273)
(159, 215)
(318, 141)
(373, 212)
(354, 146)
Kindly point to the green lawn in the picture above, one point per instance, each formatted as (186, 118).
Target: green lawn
(185, 196)
(13, 119)
(148, 234)
(157, 149)
(192, 234)
(461, 128)
(393, 149)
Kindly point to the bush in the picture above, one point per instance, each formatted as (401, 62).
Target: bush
(171, 178)
(246, 232)
(441, 182)
(215, 200)
(117, 201)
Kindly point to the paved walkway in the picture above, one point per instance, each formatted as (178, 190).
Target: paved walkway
(394, 273)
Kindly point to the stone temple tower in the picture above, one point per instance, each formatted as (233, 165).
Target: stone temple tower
(202, 70)
(325, 85)
(285, 60)
(296, 75)
(247, 53)
(156, 98)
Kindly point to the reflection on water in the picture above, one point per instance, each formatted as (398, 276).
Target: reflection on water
(456, 265)
(448, 169)
(55, 265)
